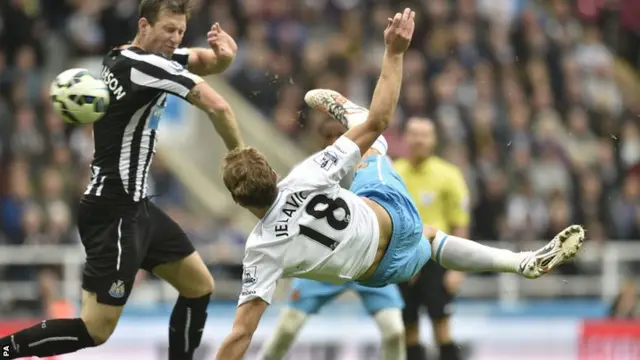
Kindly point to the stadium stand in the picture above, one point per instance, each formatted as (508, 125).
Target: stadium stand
(535, 100)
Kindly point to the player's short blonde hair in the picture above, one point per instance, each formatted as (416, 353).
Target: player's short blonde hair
(249, 178)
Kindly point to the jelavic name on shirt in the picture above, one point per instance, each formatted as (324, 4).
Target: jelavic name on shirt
(292, 205)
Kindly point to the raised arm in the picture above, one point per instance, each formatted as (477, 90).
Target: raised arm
(218, 58)
(155, 72)
(397, 37)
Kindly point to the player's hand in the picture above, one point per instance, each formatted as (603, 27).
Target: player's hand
(399, 31)
(221, 43)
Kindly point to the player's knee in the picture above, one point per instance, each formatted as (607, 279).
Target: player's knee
(429, 232)
(206, 286)
(391, 326)
(100, 326)
(199, 286)
(99, 319)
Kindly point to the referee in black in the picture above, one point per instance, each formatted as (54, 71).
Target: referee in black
(121, 230)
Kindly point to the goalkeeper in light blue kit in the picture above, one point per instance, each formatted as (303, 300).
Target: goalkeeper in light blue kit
(309, 296)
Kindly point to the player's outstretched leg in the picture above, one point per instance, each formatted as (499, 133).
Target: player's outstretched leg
(465, 255)
(343, 110)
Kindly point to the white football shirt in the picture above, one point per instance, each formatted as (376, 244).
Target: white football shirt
(315, 229)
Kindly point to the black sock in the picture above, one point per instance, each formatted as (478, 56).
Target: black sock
(186, 326)
(415, 352)
(449, 352)
(48, 338)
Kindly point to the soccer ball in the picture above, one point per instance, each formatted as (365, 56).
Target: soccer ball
(78, 97)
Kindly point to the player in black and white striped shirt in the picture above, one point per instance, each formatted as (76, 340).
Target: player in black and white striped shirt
(120, 229)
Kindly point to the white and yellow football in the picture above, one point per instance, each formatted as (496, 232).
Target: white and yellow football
(79, 97)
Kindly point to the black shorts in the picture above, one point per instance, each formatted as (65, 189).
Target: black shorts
(121, 239)
(428, 291)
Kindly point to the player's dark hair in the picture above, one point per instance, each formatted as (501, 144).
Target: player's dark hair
(151, 9)
(249, 178)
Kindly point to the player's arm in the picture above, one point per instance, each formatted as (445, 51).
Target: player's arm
(219, 112)
(248, 316)
(203, 61)
(154, 72)
(385, 96)
(332, 164)
(259, 277)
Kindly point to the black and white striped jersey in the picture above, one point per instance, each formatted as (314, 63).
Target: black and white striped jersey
(125, 138)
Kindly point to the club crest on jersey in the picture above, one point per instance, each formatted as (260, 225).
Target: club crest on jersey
(249, 276)
(117, 290)
(326, 160)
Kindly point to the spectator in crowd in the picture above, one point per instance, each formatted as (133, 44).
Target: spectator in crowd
(531, 98)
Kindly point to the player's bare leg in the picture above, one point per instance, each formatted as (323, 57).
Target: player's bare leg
(289, 325)
(100, 319)
(195, 284)
(442, 335)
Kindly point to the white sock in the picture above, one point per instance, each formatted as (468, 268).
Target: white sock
(465, 255)
(380, 145)
(282, 337)
(392, 329)
(357, 118)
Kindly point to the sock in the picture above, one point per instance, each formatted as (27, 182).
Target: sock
(48, 338)
(415, 352)
(357, 118)
(278, 345)
(186, 326)
(465, 255)
(391, 327)
(449, 352)
(380, 145)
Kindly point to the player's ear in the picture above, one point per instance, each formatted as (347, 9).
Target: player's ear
(143, 26)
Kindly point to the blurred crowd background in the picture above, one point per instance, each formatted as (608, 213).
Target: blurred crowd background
(537, 101)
